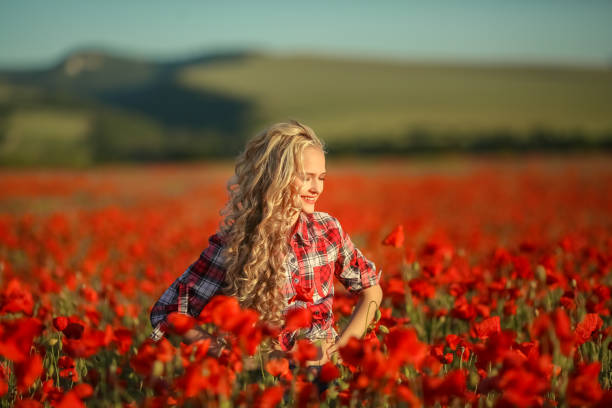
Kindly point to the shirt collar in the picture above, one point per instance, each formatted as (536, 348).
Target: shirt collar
(303, 227)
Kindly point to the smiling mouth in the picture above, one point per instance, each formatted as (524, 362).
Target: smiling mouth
(308, 199)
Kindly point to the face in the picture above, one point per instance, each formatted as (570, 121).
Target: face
(310, 186)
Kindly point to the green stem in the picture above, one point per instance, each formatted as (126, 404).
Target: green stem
(261, 368)
(367, 314)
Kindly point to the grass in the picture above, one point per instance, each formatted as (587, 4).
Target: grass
(342, 98)
(356, 106)
(46, 135)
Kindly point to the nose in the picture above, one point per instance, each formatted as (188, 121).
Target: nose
(316, 186)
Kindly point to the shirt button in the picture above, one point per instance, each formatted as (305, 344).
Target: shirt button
(296, 280)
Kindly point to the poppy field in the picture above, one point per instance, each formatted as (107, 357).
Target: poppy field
(496, 278)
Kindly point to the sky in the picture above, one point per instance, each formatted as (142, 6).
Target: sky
(38, 33)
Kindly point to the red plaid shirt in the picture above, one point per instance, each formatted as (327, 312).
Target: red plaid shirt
(321, 249)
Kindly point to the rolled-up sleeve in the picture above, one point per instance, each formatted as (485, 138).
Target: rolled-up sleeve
(353, 269)
(191, 291)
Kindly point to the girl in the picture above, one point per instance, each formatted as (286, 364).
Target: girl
(273, 251)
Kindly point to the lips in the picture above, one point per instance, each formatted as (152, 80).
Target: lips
(309, 199)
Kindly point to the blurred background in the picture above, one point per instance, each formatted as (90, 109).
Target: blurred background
(85, 83)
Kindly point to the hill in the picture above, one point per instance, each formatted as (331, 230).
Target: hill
(345, 97)
(94, 106)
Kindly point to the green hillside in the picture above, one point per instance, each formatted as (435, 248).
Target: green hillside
(94, 107)
(347, 98)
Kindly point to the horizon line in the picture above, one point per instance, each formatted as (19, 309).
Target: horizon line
(165, 58)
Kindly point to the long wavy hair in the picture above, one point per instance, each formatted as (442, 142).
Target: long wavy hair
(258, 216)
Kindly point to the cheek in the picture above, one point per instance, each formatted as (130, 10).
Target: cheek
(297, 185)
(303, 189)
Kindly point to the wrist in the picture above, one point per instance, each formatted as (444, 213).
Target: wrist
(195, 334)
(340, 343)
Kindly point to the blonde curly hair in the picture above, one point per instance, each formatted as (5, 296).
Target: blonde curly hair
(258, 216)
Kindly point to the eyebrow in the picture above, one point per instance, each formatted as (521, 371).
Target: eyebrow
(314, 174)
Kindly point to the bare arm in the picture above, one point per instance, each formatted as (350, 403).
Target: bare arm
(197, 333)
(369, 301)
(363, 314)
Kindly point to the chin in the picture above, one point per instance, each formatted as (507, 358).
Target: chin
(308, 209)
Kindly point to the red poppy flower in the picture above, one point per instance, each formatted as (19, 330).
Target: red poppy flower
(83, 390)
(485, 328)
(495, 348)
(583, 388)
(463, 309)
(123, 338)
(60, 323)
(567, 301)
(180, 323)
(88, 344)
(16, 299)
(223, 311)
(405, 394)
(298, 318)
(306, 392)
(199, 349)
(68, 368)
(277, 366)
(563, 329)
(142, 361)
(395, 237)
(270, 397)
(586, 328)
(353, 352)
(4, 378)
(343, 304)
(28, 403)
(73, 330)
(453, 341)
(422, 288)
(527, 348)
(305, 351)
(395, 287)
(329, 372)
(404, 347)
(443, 390)
(246, 323)
(522, 381)
(438, 352)
(28, 371)
(220, 377)
(193, 381)
(16, 337)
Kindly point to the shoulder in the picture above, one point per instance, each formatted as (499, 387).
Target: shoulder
(216, 245)
(217, 239)
(328, 225)
(324, 220)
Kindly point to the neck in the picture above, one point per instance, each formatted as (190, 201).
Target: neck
(295, 218)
